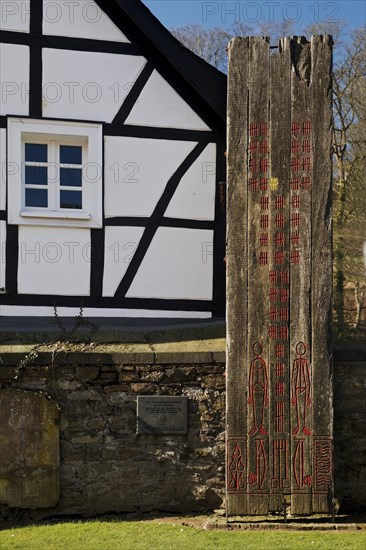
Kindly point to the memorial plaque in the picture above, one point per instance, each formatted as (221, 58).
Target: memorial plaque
(162, 415)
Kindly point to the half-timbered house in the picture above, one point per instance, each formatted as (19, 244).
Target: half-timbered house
(112, 140)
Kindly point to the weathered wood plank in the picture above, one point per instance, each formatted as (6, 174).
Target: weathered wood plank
(300, 275)
(236, 285)
(278, 299)
(321, 291)
(258, 284)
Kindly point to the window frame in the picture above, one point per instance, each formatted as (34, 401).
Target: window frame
(55, 133)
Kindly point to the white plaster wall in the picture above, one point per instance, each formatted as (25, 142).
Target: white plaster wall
(2, 169)
(87, 85)
(160, 105)
(137, 171)
(14, 79)
(79, 19)
(120, 246)
(34, 311)
(14, 15)
(2, 253)
(178, 265)
(54, 260)
(195, 197)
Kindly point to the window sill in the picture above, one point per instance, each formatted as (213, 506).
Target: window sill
(56, 215)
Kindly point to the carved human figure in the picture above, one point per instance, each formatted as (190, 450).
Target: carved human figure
(258, 390)
(300, 389)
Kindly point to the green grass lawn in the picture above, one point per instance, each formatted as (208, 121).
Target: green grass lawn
(140, 535)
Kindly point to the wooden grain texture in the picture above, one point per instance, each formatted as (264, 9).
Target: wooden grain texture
(279, 281)
(302, 129)
(278, 302)
(258, 284)
(237, 276)
(321, 291)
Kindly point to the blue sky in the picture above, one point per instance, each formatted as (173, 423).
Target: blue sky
(175, 13)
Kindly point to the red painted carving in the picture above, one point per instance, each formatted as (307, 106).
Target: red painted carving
(280, 350)
(295, 184)
(263, 147)
(283, 313)
(253, 146)
(236, 470)
(253, 184)
(279, 257)
(306, 164)
(295, 238)
(280, 220)
(263, 258)
(282, 332)
(264, 202)
(280, 388)
(258, 390)
(323, 464)
(295, 257)
(280, 369)
(279, 276)
(295, 220)
(273, 293)
(278, 314)
(253, 165)
(253, 129)
(306, 146)
(295, 146)
(295, 128)
(263, 165)
(273, 276)
(300, 389)
(280, 417)
(307, 128)
(263, 239)
(280, 201)
(264, 184)
(264, 221)
(295, 165)
(258, 477)
(295, 201)
(273, 314)
(272, 332)
(283, 295)
(302, 479)
(263, 129)
(306, 183)
(280, 239)
(280, 464)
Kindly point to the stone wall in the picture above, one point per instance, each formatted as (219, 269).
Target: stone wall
(106, 467)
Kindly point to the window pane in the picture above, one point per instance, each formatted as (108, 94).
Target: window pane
(35, 152)
(71, 177)
(71, 199)
(70, 154)
(36, 197)
(36, 175)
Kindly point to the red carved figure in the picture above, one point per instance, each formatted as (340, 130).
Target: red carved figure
(300, 386)
(258, 390)
(236, 470)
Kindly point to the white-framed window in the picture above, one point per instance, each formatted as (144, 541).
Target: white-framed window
(54, 173)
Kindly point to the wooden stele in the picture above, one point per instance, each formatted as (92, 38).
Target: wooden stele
(279, 277)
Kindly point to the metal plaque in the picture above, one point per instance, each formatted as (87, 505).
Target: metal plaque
(162, 415)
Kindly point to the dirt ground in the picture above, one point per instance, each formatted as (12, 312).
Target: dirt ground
(210, 521)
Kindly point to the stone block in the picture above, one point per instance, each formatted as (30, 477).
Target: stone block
(29, 458)
(116, 388)
(86, 374)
